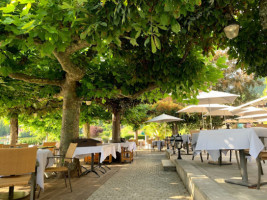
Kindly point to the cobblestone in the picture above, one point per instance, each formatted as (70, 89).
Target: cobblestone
(143, 179)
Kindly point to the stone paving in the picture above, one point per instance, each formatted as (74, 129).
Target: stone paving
(143, 179)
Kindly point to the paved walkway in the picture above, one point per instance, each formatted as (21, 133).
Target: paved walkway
(143, 179)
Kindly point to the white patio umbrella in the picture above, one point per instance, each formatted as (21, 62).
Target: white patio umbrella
(216, 97)
(164, 118)
(205, 108)
(256, 102)
(251, 111)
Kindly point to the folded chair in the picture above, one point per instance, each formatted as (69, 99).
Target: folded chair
(65, 164)
(17, 168)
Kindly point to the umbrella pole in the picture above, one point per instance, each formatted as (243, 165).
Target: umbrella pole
(202, 121)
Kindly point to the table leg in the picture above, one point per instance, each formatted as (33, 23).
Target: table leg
(87, 171)
(187, 148)
(243, 170)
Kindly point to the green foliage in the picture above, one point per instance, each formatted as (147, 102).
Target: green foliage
(4, 129)
(136, 116)
(43, 124)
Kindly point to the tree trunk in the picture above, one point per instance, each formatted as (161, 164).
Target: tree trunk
(14, 129)
(70, 115)
(116, 125)
(86, 130)
(136, 135)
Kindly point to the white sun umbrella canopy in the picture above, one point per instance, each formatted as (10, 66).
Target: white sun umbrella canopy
(204, 108)
(165, 118)
(258, 116)
(216, 97)
(228, 111)
(251, 111)
(257, 102)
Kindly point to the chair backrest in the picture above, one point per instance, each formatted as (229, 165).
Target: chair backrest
(49, 144)
(6, 146)
(17, 161)
(70, 151)
(1, 145)
(22, 145)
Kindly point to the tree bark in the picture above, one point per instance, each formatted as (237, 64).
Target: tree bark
(116, 125)
(70, 115)
(14, 129)
(136, 135)
(86, 130)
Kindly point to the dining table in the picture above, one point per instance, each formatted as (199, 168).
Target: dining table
(186, 141)
(104, 150)
(231, 139)
(158, 143)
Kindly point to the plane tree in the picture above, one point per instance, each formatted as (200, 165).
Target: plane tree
(66, 37)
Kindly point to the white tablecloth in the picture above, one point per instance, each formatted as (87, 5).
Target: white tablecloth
(159, 143)
(42, 155)
(105, 150)
(214, 140)
(261, 132)
(186, 138)
(130, 145)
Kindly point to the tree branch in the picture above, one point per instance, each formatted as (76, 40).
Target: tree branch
(148, 89)
(73, 72)
(79, 45)
(33, 79)
(187, 50)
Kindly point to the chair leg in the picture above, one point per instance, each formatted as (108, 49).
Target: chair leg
(259, 172)
(39, 193)
(33, 186)
(193, 157)
(230, 155)
(201, 157)
(69, 180)
(65, 179)
(11, 192)
(208, 156)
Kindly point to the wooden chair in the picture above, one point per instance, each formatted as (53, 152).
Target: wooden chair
(126, 155)
(15, 146)
(18, 167)
(52, 146)
(66, 166)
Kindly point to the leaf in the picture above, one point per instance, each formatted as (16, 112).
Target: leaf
(8, 9)
(8, 20)
(176, 27)
(164, 19)
(103, 24)
(157, 42)
(146, 41)
(26, 9)
(27, 25)
(66, 6)
(133, 42)
(153, 45)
